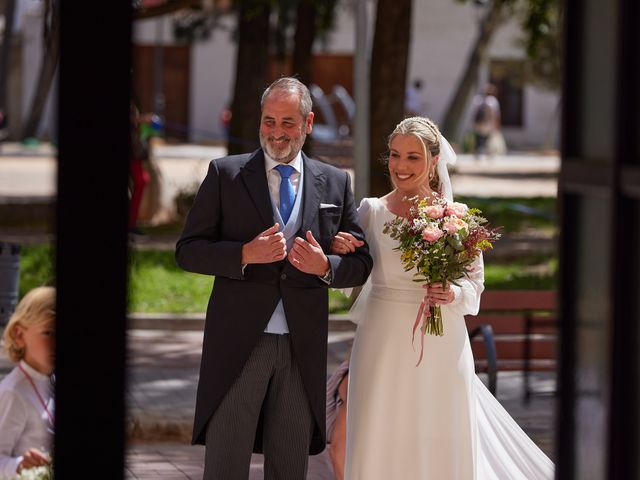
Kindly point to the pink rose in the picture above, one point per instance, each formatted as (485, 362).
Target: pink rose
(431, 233)
(457, 209)
(434, 211)
(454, 224)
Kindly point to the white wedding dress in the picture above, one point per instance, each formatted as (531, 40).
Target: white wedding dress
(436, 421)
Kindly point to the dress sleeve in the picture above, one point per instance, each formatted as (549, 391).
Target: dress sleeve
(354, 268)
(364, 216)
(13, 418)
(467, 295)
(364, 220)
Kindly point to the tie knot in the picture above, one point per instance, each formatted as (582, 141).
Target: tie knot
(285, 170)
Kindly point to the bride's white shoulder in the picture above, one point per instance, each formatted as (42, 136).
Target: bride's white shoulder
(369, 203)
(368, 206)
(367, 210)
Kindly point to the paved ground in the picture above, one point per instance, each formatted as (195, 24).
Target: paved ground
(30, 172)
(162, 376)
(161, 395)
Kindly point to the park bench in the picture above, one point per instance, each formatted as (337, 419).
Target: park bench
(514, 331)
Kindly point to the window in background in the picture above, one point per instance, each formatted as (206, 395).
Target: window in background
(508, 77)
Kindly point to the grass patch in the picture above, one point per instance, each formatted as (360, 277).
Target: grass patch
(535, 271)
(157, 284)
(516, 214)
(515, 277)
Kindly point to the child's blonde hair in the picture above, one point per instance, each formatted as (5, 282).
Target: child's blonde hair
(36, 307)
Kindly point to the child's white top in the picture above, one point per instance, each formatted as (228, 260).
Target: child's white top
(24, 422)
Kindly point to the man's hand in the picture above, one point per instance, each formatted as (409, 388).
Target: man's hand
(308, 257)
(344, 243)
(268, 246)
(33, 458)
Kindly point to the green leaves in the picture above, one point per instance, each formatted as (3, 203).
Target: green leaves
(436, 243)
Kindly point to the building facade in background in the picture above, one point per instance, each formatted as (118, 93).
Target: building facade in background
(193, 83)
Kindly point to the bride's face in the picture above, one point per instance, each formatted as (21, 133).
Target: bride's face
(408, 165)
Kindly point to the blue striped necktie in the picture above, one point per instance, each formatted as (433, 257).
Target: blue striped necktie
(287, 195)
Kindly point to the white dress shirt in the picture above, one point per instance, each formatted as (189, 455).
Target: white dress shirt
(273, 176)
(278, 322)
(24, 422)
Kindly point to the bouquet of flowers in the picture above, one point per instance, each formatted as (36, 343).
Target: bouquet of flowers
(36, 473)
(44, 472)
(439, 240)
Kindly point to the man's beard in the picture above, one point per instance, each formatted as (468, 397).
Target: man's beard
(286, 153)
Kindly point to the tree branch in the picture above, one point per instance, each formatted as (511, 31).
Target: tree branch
(170, 6)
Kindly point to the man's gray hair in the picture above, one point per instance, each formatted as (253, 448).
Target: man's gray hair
(294, 86)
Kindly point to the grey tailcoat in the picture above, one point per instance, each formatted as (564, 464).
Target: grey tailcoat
(232, 206)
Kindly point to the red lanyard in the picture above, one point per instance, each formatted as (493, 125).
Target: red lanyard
(35, 389)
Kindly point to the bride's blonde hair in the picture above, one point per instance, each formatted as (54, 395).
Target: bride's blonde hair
(425, 130)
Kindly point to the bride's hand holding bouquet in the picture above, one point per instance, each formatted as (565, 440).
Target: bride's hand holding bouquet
(439, 240)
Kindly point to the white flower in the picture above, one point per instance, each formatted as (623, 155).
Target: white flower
(36, 473)
(419, 223)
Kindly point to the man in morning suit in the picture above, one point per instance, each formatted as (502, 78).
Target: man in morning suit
(262, 223)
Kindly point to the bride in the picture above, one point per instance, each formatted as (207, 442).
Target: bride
(435, 421)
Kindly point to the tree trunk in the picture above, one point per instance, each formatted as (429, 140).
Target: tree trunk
(48, 67)
(458, 104)
(303, 40)
(388, 80)
(251, 75)
(8, 9)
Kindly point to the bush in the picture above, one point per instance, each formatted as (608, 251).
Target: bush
(516, 214)
(37, 267)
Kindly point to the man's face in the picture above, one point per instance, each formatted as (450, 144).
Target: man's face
(283, 130)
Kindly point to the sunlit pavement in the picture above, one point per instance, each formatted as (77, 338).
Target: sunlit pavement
(162, 377)
(163, 369)
(31, 172)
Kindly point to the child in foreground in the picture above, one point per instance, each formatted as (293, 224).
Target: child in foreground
(26, 393)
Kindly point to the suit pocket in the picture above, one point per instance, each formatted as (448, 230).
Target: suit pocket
(329, 221)
(333, 211)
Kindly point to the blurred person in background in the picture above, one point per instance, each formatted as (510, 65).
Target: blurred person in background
(486, 121)
(414, 103)
(143, 128)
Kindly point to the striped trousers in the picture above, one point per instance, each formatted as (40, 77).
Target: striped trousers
(270, 383)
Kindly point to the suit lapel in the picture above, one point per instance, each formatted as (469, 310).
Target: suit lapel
(314, 181)
(255, 179)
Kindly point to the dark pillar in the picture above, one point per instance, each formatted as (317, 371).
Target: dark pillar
(91, 258)
(598, 422)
